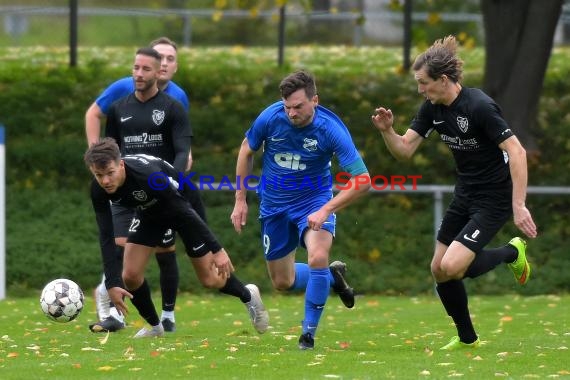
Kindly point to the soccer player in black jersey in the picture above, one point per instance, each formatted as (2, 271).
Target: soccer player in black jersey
(149, 121)
(128, 182)
(491, 180)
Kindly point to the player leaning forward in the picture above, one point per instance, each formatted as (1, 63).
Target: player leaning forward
(299, 139)
(127, 181)
(491, 180)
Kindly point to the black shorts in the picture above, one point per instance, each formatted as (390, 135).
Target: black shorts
(124, 220)
(197, 237)
(475, 215)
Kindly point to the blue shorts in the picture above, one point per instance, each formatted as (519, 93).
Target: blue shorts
(282, 232)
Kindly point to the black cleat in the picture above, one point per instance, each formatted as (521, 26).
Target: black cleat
(168, 325)
(306, 342)
(109, 324)
(345, 292)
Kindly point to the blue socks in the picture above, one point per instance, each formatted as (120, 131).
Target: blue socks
(318, 288)
(302, 272)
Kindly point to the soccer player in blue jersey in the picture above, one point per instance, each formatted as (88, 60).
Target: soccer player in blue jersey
(109, 319)
(491, 180)
(299, 139)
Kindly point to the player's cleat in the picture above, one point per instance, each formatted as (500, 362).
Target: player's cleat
(169, 325)
(520, 267)
(109, 324)
(456, 344)
(154, 331)
(306, 342)
(340, 287)
(259, 316)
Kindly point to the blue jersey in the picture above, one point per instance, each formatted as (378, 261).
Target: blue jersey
(297, 161)
(126, 86)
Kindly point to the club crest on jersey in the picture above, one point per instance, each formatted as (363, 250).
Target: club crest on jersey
(310, 144)
(140, 195)
(157, 117)
(463, 123)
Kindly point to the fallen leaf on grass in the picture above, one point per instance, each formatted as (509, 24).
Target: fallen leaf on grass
(12, 355)
(104, 339)
(105, 368)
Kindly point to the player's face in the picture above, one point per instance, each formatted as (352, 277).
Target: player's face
(299, 108)
(168, 64)
(111, 177)
(145, 72)
(432, 90)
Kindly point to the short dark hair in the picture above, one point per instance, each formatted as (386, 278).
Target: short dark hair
(163, 41)
(299, 80)
(150, 52)
(441, 59)
(102, 153)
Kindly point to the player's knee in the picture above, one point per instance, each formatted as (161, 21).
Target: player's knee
(281, 283)
(449, 271)
(131, 279)
(212, 281)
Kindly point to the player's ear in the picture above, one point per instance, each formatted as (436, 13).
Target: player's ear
(315, 100)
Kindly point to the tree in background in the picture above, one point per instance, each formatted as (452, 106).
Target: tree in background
(518, 44)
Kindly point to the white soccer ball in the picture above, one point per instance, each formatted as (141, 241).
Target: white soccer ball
(62, 300)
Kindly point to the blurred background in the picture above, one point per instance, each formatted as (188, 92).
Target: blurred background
(232, 55)
(244, 22)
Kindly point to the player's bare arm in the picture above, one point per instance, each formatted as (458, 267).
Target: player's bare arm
(401, 147)
(356, 187)
(244, 168)
(93, 118)
(518, 168)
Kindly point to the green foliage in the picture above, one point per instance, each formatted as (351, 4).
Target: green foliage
(387, 239)
(381, 338)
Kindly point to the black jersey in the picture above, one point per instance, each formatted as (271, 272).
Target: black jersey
(155, 205)
(472, 127)
(158, 127)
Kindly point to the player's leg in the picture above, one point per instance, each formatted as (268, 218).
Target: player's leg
(134, 264)
(202, 247)
(280, 239)
(249, 295)
(451, 289)
(318, 245)
(169, 278)
(493, 210)
(449, 263)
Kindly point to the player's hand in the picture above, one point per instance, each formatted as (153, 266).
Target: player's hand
(223, 263)
(317, 219)
(523, 221)
(239, 215)
(117, 296)
(383, 119)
